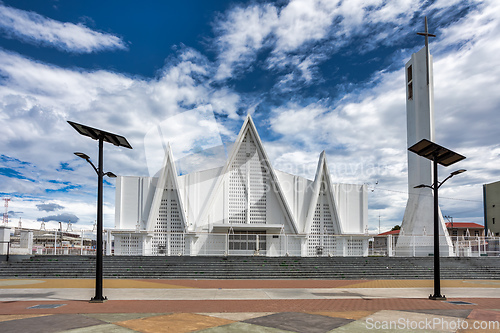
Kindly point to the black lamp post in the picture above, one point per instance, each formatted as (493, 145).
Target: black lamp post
(437, 154)
(117, 140)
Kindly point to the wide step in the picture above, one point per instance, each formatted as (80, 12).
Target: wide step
(252, 268)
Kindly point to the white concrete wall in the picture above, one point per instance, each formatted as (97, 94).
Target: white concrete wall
(194, 191)
(419, 119)
(4, 238)
(297, 192)
(352, 207)
(133, 201)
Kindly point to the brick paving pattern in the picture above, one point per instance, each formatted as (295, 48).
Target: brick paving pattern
(296, 314)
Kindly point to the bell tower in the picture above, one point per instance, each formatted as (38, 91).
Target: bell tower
(418, 219)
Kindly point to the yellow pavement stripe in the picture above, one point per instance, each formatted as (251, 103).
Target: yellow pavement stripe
(85, 283)
(425, 284)
(152, 284)
(16, 317)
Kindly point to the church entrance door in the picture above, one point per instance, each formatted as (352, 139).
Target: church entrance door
(243, 242)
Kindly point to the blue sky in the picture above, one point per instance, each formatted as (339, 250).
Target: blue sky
(315, 75)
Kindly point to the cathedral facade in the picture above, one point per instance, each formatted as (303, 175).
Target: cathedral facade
(245, 207)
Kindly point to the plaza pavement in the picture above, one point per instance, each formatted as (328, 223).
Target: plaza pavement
(61, 305)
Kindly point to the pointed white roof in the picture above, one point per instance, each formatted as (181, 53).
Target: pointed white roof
(167, 172)
(322, 172)
(249, 126)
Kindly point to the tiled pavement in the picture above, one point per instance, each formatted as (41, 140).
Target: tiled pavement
(60, 305)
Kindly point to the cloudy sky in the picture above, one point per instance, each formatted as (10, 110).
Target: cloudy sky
(315, 75)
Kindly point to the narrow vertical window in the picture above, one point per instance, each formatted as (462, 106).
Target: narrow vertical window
(409, 76)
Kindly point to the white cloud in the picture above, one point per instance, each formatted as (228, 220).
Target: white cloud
(241, 34)
(26, 210)
(36, 29)
(37, 99)
(304, 33)
(356, 134)
(364, 133)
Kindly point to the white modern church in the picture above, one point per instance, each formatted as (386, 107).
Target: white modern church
(245, 207)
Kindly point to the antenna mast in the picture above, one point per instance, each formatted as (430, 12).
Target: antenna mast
(6, 214)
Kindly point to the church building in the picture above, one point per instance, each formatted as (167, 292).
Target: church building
(245, 207)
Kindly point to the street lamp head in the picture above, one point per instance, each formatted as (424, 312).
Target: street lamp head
(87, 158)
(83, 155)
(421, 186)
(454, 173)
(110, 174)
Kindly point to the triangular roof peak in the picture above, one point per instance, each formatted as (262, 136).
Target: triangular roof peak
(322, 171)
(248, 125)
(248, 122)
(168, 171)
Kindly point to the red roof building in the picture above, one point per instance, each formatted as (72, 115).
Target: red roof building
(465, 229)
(454, 229)
(392, 232)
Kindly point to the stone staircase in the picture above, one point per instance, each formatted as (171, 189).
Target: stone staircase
(252, 267)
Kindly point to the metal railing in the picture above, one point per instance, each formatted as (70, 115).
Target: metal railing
(229, 244)
(52, 242)
(417, 246)
(236, 244)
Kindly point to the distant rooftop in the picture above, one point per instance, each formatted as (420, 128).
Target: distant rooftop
(464, 225)
(456, 225)
(392, 232)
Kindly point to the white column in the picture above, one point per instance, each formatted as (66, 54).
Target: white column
(366, 244)
(4, 239)
(303, 246)
(389, 245)
(26, 240)
(108, 242)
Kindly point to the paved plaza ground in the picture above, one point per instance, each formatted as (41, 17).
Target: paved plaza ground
(61, 305)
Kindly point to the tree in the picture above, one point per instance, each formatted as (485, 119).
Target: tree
(396, 227)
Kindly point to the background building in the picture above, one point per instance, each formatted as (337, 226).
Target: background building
(466, 229)
(491, 198)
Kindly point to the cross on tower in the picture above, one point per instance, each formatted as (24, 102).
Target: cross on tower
(427, 35)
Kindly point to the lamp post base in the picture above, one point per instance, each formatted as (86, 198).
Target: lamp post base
(98, 299)
(437, 297)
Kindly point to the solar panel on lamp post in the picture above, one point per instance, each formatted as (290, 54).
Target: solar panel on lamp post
(101, 137)
(438, 155)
